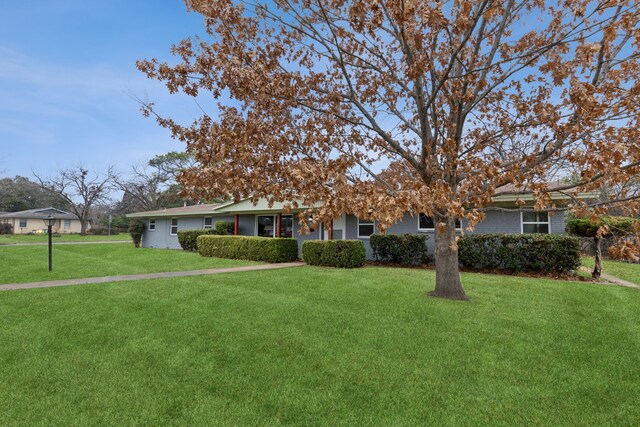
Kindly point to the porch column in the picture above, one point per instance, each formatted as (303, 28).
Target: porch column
(330, 230)
(278, 224)
(236, 225)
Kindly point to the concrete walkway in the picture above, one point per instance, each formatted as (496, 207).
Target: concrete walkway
(107, 279)
(611, 280)
(97, 242)
(617, 281)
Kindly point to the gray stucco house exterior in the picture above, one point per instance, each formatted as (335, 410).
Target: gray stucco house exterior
(162, 226)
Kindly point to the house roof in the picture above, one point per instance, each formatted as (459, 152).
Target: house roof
(511, 193)
(506, 194)
(262, 206)
(181, 211)
(40, 213)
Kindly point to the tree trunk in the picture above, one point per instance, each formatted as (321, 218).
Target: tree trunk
(448, 283)
(597, 269)
(83, 226)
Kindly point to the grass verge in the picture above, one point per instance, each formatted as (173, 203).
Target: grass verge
(10, 239)
(624, 270)
(29, 263)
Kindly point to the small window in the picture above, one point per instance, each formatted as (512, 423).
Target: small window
(425, 223)
(67, 223)
(535, 222)
(208, 222)
(174, 227)
(365, 228)
(23, 222)
(152, 225)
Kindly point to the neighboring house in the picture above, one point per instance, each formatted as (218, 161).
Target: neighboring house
(32, 221)
(161, 226)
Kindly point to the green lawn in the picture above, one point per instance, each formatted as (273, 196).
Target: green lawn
(623, 270)
(312, 346)
(9, 239)
(29, 263)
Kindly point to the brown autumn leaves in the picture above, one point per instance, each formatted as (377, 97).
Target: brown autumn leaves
(384, 107)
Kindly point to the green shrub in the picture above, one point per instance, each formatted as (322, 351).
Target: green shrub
(223, 228)
(188, 238)
(312, 251)
(251, 248)
(520, 252)
(585, 227)
(136, 229)
(408, 249)
(334, 253)
(98, 231)
(6, 228)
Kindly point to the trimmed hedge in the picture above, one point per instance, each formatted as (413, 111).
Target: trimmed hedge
(408, 249)
(188, 238)
(223, 228)
(520, 252)
(334, 253)
(266, 249)
(618, 225)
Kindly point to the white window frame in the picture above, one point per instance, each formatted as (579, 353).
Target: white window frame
(255, 232)
(26, 222)
(66, 224)
(433, 229)
(152, 221)
(204, 222)
(523, 223)
(171, 227)
(366, 222)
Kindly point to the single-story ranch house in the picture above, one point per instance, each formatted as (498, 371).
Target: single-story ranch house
(161, 226)
(32, 221)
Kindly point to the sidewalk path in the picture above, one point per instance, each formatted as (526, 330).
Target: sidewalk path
(107, 279)
(8, 245)
(611, 280)
(617, 281)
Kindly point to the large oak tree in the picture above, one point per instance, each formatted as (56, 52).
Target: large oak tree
(384, 107)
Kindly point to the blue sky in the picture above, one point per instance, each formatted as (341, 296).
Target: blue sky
(66, 68)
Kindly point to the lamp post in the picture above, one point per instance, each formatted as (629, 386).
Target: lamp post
(49, 220)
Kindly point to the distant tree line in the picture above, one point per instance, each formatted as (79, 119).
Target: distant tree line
(96, 196)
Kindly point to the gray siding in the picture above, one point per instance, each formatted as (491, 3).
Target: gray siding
(352, 234)
(301, 238)
(160, 238)
(557, 223)
(495, 222)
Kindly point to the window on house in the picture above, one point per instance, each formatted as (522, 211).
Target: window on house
(266, 226)
(174, 227)
(208, 222)
(23, 222)
(425, 223)
(535, 222)
(365, 228)
(286, 226)
(152, 225)
(67, 223)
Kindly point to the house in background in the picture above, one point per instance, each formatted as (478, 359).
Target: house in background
(32, 221)
(162, 226)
